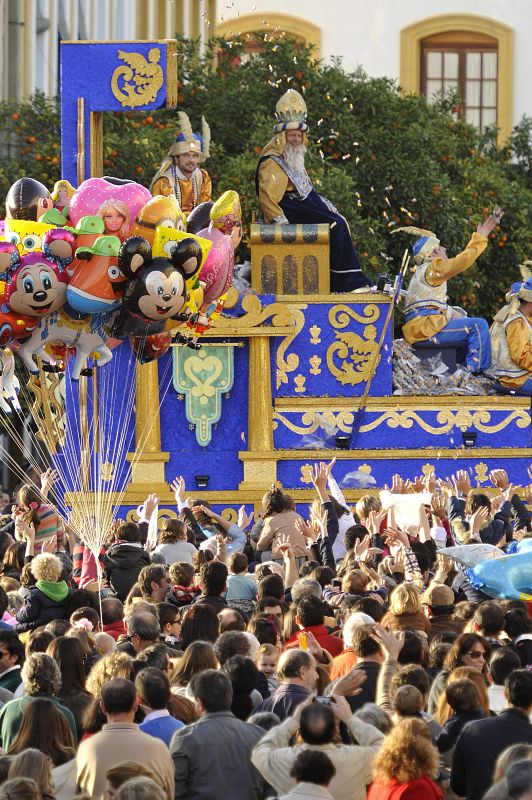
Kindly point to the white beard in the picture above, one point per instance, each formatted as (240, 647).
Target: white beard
(294, 155)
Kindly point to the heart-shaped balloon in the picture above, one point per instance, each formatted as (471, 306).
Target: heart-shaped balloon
(94, 192)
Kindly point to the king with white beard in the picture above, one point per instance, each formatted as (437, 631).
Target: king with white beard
(286, 194)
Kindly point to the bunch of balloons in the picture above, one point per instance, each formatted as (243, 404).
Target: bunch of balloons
(108, 262)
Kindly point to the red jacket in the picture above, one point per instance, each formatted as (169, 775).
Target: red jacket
(419, 789)
(332, 644)
(115, 629)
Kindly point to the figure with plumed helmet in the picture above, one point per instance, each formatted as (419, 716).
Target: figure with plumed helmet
(286, 194)
(511, 338)
(180, 173)
(428, 315)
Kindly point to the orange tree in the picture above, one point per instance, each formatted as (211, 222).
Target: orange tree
(386, 159)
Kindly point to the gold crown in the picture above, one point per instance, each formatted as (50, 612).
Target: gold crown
(291, 112)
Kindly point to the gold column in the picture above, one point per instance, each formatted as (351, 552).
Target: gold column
(260, 465)
(147, 462)
(96, 143)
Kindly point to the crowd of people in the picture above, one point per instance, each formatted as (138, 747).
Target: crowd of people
(344, 656)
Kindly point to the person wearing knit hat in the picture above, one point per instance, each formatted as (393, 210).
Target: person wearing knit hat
(179, 174)
(511, 341)
(428, 315)
(286, 194)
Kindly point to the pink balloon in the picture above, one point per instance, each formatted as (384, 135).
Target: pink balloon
(95, 191)
(217, 271)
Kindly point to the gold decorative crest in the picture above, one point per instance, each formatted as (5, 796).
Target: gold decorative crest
(350, 357)
(428, 469)
(315, 365)
(315, 331)
(138, 83)
(300, 381)
(481, 472)
(306, 473)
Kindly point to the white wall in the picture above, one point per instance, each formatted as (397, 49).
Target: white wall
(366, 32)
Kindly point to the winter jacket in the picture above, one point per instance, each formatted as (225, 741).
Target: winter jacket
(123, 563)
(45, 601)
(453, 728)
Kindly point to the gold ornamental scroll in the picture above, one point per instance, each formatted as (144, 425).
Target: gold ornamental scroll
(147, 462)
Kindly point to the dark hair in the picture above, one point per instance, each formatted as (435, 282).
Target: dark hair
(465, 610)
(269, 602)
(307, 567)
(13, 559)
(154, 656)
(199, 623)
(81, 598)
(317, 724)
(310, 611)
(118, 696)
(182, 574)
(265, 628)
(213, 578)
(238, 563)
(463, 695)
(324, 576)
(271, 586)
(438, 654)
(244, 677)
(85, 612)
(58, 627)
(229, 644)
(129, 532)
(145, 626)
(275, 502)
(412, 675)
(519, 779)
(367, 605)
(152, 573)
(489, 617)
(172, 530)
(13, 645)
(412, 649)
(517, 622)
(475, 501)
(38, 641)
(363, 642)
(153, 687)
(503, 661)
(68, 652)
(461, 646)
(265, 720)
(198, 657)
(292, 662)
(46, 729)
(213, 689)
(353, 535)
(313, 766)
(112, 610)
(20, 789)
(166, 612)
(518, 686)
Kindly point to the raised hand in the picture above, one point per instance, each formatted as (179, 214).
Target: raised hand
(178, 488)
(462, 482)
(305, 529)
(244, 520)
(320, 477)
(478, 519)
(418, 484)
(397, 536)
(48, 479)
(499, 478)
(340, 706)
(150, 504)
(330, 466)
(350, 684)
(373, 522)
(390, 642)
(50, 545)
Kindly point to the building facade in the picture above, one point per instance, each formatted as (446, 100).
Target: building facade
(481, 49)
(31, 31)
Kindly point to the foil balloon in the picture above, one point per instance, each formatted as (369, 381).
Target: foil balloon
(200, 217)
(13, 326)
(509, 576)
(150, 348)
(225, 233)
(37, 285)
(156, 288)
(159, 211)
(9, 385)
(117, 204)
(28, 199)
(26, 235)
(97, 284)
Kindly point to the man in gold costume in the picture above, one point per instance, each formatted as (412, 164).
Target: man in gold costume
(511, 341)
(180, 173)
(427, 312)
(286, 194)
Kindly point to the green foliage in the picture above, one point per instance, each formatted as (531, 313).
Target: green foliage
(384, 158)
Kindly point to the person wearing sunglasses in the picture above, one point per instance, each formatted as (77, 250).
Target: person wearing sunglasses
(468, 650)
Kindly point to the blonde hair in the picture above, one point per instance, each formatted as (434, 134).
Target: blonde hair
(116, 665)
(31, 763)
(65, 186)
(47, 567)
(407, 753)
(122, 209)
(516, 752)
(444, 710)
(405, 599)
(355, 581)
(366, 505)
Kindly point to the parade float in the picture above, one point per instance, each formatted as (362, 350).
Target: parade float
(233, 393)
